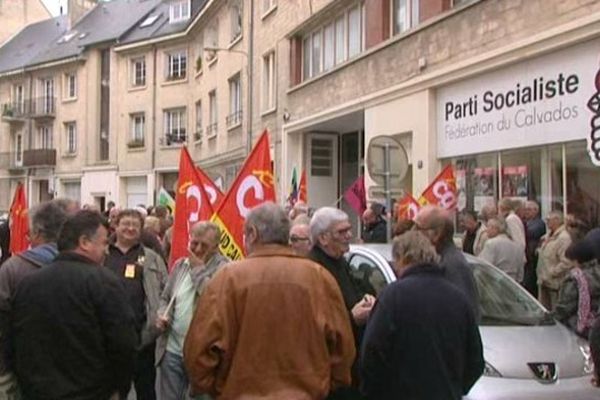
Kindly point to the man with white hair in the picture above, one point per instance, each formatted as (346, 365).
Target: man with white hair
(516, 230)
(331, 233)
(271, 326)
(502, 252)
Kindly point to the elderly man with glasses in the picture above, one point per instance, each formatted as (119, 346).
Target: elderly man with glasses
(300, 235)
(331, 234)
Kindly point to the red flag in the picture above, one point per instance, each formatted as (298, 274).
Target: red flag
(19, 222)
(356, 196)
(212, 191)
(253, 185)
(302, 189)
(407, 208)
(442, 191)
(192, 204)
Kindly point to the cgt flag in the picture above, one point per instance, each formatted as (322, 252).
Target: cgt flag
(192, 204)
(19, 222)
(407, 208)
(215, 195)
(253, 185)
(442, 191)
(302, 189)
(356, 196)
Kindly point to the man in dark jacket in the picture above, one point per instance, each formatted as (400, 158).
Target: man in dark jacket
(374, 225)
(72, 329)
(46, 220)
(422, 340)
(437, 225)
(331, 232)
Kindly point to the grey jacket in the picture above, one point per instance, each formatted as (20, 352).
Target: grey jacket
(154, 280)
(504, 254)
(200, 278)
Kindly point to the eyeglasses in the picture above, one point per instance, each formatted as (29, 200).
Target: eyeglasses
(294, 239)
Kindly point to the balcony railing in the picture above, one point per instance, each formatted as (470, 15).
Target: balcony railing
(234, 119)
(44, 106)
(15, 111)
(39, 157)
(11, 160)
(174, 137)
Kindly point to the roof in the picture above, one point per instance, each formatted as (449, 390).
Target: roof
(51, 40)
(161, 26)
(19, 51)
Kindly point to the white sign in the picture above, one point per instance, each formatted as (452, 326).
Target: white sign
(539, 101)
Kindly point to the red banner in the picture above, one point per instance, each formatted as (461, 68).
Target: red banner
(192, 204)
(442, 191)
(302, 189)
(407, 208)
(212, 191)
(356, 196)
(253, 185)
(19, 222)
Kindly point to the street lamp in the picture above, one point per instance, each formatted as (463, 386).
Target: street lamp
(250, 88)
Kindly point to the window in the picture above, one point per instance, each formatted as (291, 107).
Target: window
(268, 5)
(405, 15)
(18, 99)
(138, 126)
(268, 90)
(70, 86)
(138, 71)
(235, 102)
(179, 11)
(334, 43)
(70, 137)
(175, 126)
(149, 21)
(176, 65)
(45, 137)
(46, 102)
(211, 129)
(18, 161)
(235, 14)
(198, 132)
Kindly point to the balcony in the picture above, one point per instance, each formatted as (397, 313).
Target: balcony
(39, 158)
(44, 107)
(234, 119)
(15, 111)
(11, 161)
(173, 138)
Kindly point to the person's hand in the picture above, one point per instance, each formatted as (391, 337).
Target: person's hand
(195, 261)
(362, 309)
(162, 323)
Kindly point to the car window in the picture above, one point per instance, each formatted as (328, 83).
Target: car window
(366, 272)
(503, 302)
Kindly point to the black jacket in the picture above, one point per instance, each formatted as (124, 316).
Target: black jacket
(422, 341)
(459, 273)
(73, 332)
(376, 232)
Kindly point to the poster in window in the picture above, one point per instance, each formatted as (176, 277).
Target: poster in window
(483, 184)
(515, 182)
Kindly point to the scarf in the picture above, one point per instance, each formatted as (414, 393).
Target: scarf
(585, 316)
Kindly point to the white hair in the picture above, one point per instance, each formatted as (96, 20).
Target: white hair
(323, 219)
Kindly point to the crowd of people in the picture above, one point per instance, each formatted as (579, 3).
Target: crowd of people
(90, 311)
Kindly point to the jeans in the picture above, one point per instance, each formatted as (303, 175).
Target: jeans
(174, 383)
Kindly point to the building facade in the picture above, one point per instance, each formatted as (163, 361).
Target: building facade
(16, 14)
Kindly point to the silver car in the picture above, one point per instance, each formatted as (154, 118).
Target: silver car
(528, 355)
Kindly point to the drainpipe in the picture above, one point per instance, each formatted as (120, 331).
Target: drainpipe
(250, 77)
(153, 118)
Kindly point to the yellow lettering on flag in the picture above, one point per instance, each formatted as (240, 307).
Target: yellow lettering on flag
(229, 248)
(265, 177)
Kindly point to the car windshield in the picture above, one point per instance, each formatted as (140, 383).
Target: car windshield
(503, 302)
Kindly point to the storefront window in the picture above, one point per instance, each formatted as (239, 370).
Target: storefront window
(583, 191)
(476, 181)
(521, 174)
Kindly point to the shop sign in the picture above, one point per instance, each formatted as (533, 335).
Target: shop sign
(550, 99)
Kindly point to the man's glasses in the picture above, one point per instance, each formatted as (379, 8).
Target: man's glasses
(295, 239)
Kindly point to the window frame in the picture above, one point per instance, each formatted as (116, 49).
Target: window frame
(175, 125)
(70, 137)
(141, 82)
(236, 21)
(234, 118)
(213, 114)
(181, 56)
(412, 18)
(269, 82)
(45, 137)
(137, 120)
(70, 86)
(179, 10)
(198, 133)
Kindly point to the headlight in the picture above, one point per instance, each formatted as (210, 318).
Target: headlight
(588, 363)
(490, 371)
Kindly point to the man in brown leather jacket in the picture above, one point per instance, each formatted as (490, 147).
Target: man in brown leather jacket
(273, 325)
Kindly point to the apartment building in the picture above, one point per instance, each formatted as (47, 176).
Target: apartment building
(55, 88)
(478, 84)
(183, 80)
(16, 14)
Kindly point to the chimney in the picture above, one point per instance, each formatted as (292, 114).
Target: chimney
(77, 9)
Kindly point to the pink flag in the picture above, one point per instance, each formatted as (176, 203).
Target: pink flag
(355, 195)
